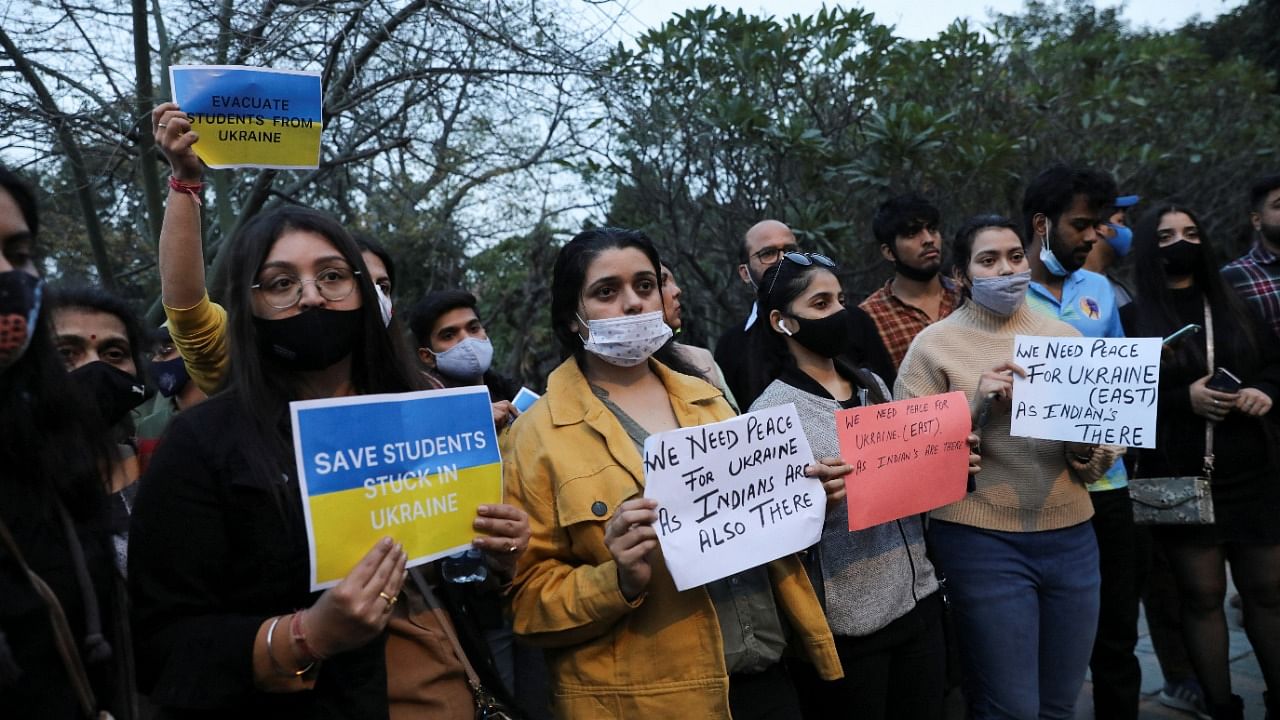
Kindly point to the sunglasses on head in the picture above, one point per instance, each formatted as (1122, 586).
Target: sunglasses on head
(804, 260)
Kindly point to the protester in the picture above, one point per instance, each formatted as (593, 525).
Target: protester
(54, 510)
(1107, 256)
(1064, 211)
(455, 350)
(1018, 555)
(917, 295)
(169, 375)
(1256, 274)
(100, 340)
(198, 326)
(879, 589)
(593, 588)
(699, 358)
(762, 247)
(1178, 285)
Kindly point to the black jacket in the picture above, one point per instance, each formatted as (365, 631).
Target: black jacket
(214, 552)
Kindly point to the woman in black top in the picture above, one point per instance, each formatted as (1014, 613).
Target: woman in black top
(1176, 273)
(53, 500)
(218, 550)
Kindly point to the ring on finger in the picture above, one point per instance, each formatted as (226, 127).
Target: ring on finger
(160, 125)
(391, 600)
(513, 548)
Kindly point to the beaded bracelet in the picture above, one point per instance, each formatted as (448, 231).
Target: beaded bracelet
(272, 656)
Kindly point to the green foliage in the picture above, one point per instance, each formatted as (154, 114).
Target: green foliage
(726, 119)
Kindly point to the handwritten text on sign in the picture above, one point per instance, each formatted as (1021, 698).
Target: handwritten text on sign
(732, 495)
(251, 117)
(412, 466)
(1092, 390)
(908, 457)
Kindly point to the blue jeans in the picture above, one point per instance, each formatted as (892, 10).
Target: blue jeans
(1025, 610)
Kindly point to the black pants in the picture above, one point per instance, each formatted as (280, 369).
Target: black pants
(1122, 550)
(764, 695)
(897, 672)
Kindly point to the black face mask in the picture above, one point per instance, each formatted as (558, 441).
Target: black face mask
(170, 376)
(20, 295)
(1181, 258)
(828, 336)
(311, 340)
(113, 390)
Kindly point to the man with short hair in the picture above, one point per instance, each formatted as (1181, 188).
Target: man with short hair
(763, 246)
(1256, 274)
(916, 296)
(1064, 210)
(455, 350)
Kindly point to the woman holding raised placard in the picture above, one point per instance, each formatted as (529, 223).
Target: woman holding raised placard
(622, 641)
(1178, 283)
(879, 589)
(1018, 555)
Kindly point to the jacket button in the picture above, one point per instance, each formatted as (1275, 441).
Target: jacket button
(598, 508)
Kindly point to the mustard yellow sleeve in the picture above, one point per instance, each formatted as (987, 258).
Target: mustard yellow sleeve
(559, 598)
(200, 335)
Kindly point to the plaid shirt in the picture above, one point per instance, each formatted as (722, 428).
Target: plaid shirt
(1256, 277)
(898, 322)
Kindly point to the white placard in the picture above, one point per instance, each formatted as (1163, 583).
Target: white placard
(1090, 390)
(732, 495)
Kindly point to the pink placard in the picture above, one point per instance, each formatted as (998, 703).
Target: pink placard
(908, 457)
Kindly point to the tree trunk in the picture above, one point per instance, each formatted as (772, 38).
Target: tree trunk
(144, 100)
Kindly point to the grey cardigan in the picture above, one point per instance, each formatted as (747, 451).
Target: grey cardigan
(870, 577)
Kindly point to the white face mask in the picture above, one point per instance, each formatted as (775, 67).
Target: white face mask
(626, 341)
(467, 360)
(384, 305)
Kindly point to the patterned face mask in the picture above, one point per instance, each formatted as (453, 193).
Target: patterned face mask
(626, 341)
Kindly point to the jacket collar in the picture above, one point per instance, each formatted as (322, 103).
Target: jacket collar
(570, 401)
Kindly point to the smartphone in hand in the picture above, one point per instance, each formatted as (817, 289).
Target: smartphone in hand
(1223, 380)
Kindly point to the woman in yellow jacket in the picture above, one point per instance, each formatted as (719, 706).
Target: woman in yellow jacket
(592, 587)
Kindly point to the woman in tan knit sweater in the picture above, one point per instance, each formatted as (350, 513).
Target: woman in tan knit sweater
(1018, 555)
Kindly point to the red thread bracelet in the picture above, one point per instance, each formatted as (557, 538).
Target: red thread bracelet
(299, 637)
(192, 189)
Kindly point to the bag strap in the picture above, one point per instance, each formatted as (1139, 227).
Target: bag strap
(446, 626)
(1208, 425)
(62, 635)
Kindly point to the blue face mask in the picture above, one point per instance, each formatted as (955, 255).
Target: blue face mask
(170, 376)
(1051, 262)
(1123, 239)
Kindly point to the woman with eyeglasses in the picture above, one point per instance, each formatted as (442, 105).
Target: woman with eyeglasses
(878, 587)
(621, 641)
(1179, 284)
(1018, 555)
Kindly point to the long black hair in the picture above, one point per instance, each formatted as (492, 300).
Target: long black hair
(768, 354)
(263, 388)
(1155, 315)
(51, 450)
(569, 274)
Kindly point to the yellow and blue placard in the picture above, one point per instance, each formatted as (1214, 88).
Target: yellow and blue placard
(251, 117)
(411, 466)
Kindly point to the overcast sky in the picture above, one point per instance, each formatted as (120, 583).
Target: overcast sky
(918, 19)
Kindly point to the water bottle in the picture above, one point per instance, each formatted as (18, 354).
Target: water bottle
(465, 567)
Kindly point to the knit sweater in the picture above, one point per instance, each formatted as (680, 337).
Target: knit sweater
(870, 577)
(1025, 484)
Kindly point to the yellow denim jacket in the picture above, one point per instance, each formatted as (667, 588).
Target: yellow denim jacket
(569, 464)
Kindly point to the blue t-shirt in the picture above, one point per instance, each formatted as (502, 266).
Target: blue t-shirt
(1089, 305)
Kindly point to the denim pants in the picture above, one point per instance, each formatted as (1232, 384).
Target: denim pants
(1025, 610)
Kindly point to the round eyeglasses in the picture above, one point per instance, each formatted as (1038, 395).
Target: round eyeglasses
(283, 291)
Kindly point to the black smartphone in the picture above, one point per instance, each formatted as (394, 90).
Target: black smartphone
(1223, 380)
(1181, 333)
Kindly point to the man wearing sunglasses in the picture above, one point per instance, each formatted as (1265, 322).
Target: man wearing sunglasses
(763, 246)
(1066, 211)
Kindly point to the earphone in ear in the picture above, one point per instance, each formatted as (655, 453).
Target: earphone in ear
(784, 329)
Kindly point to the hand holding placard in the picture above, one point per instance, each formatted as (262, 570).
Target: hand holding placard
(732, 495)
(909, 457)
